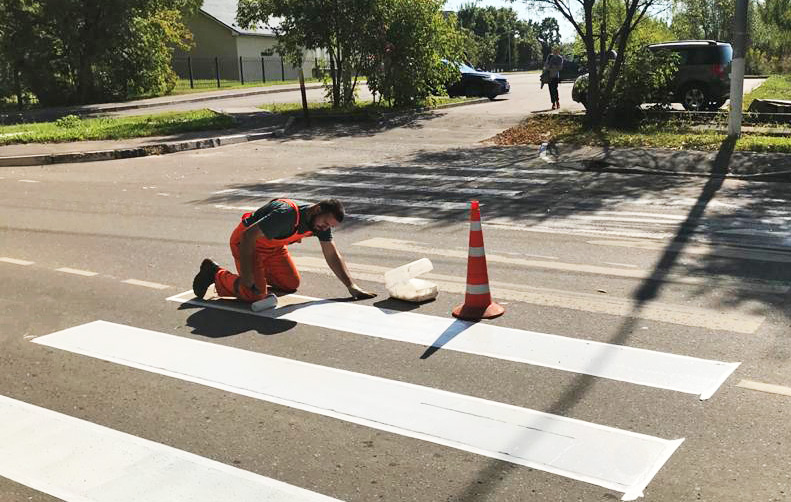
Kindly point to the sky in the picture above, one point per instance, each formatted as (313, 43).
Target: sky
(524, 12)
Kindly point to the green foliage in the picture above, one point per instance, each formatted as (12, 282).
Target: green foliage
(397, 44)
(68, 122)
(548, 33)
(775, 87)
(71, 128)
(769, 50)
(496, 37)
(342, 28)
(82, 51)
(405, 64)
(645, 76)
(703, 20)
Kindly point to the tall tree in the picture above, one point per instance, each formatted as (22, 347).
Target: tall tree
(82, 51)
(405, 62)
(703, 19)
(398, 43)
(501, 37)
(599, 43)
(548, 34)
(340, 27)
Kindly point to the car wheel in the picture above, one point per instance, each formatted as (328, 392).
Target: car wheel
(693, 98)
(492, 96)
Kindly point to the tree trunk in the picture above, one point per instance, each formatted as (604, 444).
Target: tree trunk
(335, 83)
(20, 99)
(593, 112)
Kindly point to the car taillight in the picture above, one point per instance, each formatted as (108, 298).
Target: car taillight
(718, 70)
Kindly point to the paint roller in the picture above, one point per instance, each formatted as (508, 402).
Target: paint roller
(266, 303)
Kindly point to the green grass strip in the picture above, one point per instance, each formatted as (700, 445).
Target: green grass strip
(72, 128)
(775, 87)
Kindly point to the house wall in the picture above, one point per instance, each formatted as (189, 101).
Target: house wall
(214, 40)
(211, 40)
(251, 47)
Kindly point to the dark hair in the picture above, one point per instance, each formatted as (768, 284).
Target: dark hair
(332, 206)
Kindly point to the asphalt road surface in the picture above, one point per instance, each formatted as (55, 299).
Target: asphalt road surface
(394, 406)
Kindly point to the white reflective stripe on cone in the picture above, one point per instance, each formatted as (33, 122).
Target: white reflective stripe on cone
(475, 226)
(477, 251)
(477, 289)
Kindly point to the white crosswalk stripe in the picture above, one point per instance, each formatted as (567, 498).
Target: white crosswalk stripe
(79, 461)
(612, 458)
(643, 367)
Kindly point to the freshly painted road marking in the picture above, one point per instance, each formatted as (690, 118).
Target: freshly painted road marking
(417, 247)
(357, 200)
(438, 177)
(75, 271)
(295, 182)
(765, 387)
(725, 320)
(79, 461)
(626, 364)
(612, 458)
(15, 261)
(146, 284)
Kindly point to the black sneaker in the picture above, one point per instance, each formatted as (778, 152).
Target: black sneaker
(204, 277)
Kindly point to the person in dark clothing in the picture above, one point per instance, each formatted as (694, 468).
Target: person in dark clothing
(552, 67)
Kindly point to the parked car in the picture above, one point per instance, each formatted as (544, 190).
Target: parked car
(478, 83)
(573, 67)
(702, 81)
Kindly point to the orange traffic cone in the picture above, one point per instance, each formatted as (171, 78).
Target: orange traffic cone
(478, 302)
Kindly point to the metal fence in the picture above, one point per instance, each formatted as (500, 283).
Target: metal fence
(206, 72)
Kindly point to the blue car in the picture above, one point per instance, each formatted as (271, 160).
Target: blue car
(478, 83)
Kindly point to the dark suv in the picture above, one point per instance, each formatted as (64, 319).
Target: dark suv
(703, 80)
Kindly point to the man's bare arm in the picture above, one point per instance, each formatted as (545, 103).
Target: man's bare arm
(338, 267)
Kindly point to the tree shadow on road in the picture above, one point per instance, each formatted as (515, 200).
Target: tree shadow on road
(557, 193)
(357, 125)
(490, 476)
(513, 185)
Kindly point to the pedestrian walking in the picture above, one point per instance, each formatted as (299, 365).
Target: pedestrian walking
(259, 245)
(552, 67)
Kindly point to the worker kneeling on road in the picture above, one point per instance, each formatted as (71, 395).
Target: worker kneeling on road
(262, 259)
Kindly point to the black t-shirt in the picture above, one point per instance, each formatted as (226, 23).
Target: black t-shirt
(276, 220)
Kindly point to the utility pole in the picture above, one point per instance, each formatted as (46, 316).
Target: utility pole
(737, 68)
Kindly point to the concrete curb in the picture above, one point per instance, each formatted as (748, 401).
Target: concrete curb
(131, 152)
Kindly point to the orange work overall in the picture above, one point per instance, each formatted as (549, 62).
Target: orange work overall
(272, 264)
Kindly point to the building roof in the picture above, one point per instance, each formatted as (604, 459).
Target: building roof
(224, 12)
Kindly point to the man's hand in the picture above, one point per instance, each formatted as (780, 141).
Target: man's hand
(360, 294)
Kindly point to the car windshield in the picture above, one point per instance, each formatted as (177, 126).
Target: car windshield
(466, 69)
